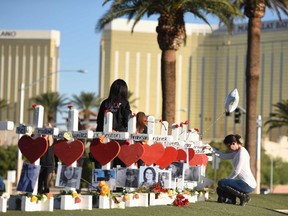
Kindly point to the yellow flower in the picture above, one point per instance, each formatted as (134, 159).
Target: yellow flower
(102, 183)
(74, 194)
(105, 187)
(102, 139)
(34, 199)
(170, 192)
(105, 191)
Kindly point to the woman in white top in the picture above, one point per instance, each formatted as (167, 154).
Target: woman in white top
(241, 181)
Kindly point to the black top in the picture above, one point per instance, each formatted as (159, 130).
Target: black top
(47, 160)
(120, 110)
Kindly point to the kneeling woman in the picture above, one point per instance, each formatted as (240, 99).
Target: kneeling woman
(241, 181)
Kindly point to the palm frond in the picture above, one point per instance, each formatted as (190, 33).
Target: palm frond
(279, 117)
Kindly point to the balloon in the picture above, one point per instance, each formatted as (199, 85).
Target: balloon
(231, 101)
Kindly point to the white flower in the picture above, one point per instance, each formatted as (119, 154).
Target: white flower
(5, 195)
(44, 198)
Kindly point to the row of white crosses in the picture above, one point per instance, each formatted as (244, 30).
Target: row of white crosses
(181, 136)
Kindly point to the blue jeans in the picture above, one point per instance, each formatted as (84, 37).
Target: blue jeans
(238, 184)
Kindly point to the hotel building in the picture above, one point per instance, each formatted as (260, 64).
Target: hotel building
(209, 66)
(29, 59)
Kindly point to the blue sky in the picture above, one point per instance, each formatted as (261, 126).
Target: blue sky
(79, 43)
(76, 20)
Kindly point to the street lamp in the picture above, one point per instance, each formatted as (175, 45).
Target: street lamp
(21, 113)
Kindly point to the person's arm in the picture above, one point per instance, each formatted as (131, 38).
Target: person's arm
(238, 164)
(224, 156)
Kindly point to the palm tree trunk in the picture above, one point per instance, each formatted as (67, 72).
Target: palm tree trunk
(168, 79)
(252, 79)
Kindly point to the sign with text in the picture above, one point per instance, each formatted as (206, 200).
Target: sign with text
(47, 131)
(22, 129)
(141, 137)
(85, 134)
(112, 135)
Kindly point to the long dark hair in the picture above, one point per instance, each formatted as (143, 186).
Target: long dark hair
(153, 171)
(118, 90)
(232, 138)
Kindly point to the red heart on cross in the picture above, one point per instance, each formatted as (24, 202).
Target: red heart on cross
(130, 154)
(169, 156)
(32, 148)
(152, 153)
(181, 155)
(191, 153)
(199, 159)
(104, 152)
(67, 152)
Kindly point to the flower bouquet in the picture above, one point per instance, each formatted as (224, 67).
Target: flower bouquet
(181, 201)
(104, 198)
(161, 196)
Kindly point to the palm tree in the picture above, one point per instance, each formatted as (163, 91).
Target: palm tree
(52, 103)
(132, 101)
(171, 32)
(85, 102)
(279, 118)
(255, 10)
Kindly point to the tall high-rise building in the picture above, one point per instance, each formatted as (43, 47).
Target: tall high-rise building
(29, 59)
(210, 65)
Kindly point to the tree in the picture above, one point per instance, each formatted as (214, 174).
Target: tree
(132, 101)
(171, 32)
(52, 103)
(85, 102)
(8, 160)
(279, 118)
(255, 10)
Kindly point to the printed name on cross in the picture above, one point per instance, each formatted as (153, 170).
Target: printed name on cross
(84, 134)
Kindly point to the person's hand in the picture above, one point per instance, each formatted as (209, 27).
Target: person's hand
(207, 148)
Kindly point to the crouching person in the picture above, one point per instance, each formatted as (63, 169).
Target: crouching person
(241, 181)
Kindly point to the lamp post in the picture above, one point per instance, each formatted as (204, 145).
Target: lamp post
(258, 154)
(21, 113)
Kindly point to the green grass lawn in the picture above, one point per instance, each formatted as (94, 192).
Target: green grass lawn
(259, 205)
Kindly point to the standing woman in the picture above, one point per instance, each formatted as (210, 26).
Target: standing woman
(117, 103)
(47, 162)
(241, 181)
